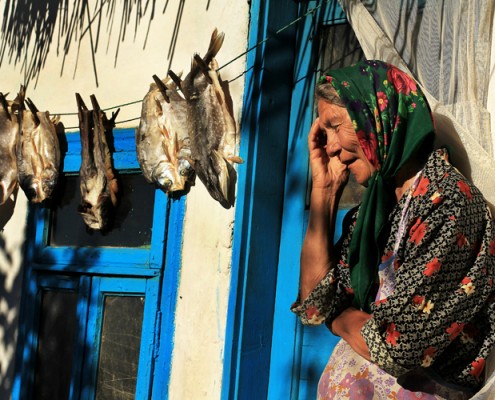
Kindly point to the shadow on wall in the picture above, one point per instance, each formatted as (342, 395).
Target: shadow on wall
(10, 291)
(27, 22)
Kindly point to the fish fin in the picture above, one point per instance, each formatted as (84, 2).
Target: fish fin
(161, 86)
(55, 119)
(216, 42)
(236, 159)
(223, 174)
(5, 106)
(94, 103)
(203, 67)
(175, 78)
(33, 109)
(31, 106)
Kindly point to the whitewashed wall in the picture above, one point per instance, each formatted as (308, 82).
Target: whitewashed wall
(204, 283)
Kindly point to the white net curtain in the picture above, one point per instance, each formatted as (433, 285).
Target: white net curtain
(446, 46)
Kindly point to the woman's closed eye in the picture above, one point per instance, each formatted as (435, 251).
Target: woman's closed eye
(333, 126)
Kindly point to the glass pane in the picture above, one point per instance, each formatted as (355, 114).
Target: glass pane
(132, 221)
(56, 334)
(340, 48)
(119, 350)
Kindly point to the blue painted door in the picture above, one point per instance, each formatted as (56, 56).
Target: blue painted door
(300, 353)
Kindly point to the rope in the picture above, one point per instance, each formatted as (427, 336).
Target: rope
(309, 12)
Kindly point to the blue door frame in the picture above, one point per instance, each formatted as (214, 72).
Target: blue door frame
(93, 272)
(263, 346)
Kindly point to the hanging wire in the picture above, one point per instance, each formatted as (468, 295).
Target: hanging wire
(266, 39)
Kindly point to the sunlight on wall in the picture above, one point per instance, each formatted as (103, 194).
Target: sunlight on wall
(204, 283)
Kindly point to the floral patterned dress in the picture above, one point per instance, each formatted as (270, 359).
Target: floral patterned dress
(433, 322)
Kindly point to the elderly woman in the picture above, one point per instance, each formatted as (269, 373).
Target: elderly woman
(409, 286)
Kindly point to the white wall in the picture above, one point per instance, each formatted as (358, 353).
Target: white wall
(205, 277)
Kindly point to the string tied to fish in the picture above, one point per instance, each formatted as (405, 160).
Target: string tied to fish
(247, 51)
(169, 155)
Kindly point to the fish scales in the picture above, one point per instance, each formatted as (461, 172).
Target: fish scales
(98, 185)
(49, 147)
(213, 131)
(153, 144)
(38, 155)
(162, 139)
(9, 133)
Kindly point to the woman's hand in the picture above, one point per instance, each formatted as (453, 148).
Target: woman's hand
(348, 326)
(327, 170)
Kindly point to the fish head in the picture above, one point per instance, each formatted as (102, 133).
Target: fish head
(97, 216)
(33, 189)
(167, 178)
(49, 181)
(186, 170)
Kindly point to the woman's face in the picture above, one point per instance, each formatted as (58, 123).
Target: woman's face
(342, 141)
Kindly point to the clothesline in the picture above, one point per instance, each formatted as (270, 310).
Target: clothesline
(266, 39)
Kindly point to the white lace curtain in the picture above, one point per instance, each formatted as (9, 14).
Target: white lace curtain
(446, 46)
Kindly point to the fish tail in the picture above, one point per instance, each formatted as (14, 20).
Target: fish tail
(223, 175)
(216, 42)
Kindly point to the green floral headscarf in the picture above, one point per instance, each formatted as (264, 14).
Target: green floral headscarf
(393, 122)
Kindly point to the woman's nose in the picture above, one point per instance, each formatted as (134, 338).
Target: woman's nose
(333, 146)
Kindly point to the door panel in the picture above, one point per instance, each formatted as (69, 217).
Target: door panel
(300, 353)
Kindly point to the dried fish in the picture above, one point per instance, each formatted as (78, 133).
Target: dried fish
(38, 154)
(98, 182)
(174, 120)
(10, 117)
(162, 139)
(213, 137)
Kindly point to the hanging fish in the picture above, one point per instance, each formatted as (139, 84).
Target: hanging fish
(162, 139)
(38, 154)
(10, 117)
(98, 182)
(213, 137)
(174, 121)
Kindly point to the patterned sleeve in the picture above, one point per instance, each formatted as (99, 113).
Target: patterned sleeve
(444, 280)
(333, 294)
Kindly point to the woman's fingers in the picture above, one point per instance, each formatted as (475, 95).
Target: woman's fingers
(315, 135)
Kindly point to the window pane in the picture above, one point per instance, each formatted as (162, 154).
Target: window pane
(132, 221)
(55, 345)
(119, 350)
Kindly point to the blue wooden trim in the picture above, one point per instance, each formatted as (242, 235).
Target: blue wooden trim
(260, 200)
(287, 379)
(103, 259)
(124, 156)
(165, 324)
(145, 366)
(160, 222)
(108, 270)
(92, 342)
(266, 110)
(82, 317)
(284, 378)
